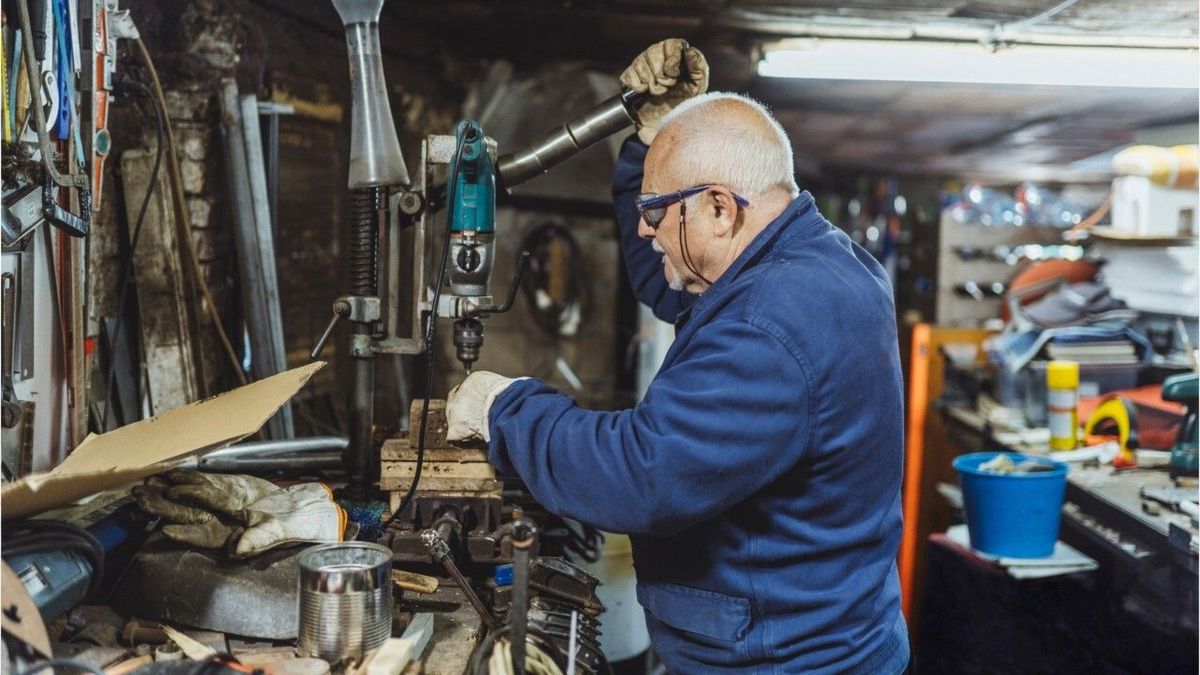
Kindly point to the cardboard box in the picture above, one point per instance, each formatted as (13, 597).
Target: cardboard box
(151, 446)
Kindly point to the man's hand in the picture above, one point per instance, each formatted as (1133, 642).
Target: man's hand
(670, 72)
(469, 403)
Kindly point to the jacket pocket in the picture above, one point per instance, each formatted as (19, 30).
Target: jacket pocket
(712, 615)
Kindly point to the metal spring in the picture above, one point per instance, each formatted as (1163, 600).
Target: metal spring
(365, 206)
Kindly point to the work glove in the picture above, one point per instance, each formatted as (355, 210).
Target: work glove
(469, 404)
(657, 71)
(239, 514)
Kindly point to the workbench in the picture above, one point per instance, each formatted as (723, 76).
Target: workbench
(1150, 560)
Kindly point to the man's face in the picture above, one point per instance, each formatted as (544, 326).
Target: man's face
(665, 239)
(674, 281)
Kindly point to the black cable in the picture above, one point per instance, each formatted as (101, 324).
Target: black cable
(127, 266)
(61, 663)
(538, 243)
(40, 536)
(431, 330)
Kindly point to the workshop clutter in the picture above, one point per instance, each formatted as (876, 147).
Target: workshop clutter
(1012, 507)
(1155, 193)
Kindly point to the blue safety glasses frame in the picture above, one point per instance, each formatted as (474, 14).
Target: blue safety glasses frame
(653, 207)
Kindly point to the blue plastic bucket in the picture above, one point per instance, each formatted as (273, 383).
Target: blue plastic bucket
(1012, 515)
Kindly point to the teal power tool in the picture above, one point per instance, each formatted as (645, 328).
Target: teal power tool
(1185, 454)
(473, 225)
(472, 241)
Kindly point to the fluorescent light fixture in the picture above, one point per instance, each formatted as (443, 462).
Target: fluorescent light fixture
(964, 62)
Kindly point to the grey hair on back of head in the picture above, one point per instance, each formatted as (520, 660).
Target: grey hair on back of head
(732, 140)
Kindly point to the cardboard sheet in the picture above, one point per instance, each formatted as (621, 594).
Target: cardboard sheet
(153, 445)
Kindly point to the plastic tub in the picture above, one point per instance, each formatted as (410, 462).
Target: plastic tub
(1012, 515)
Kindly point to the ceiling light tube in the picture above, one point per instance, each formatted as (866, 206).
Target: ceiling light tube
(971, 63)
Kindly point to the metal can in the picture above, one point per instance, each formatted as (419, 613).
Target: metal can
(1062, 397)
(345, 600)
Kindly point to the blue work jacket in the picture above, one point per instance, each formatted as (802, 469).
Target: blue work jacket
(759, 478)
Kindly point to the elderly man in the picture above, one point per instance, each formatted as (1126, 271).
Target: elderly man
(759, 477)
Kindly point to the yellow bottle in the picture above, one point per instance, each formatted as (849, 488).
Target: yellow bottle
(1062, 395)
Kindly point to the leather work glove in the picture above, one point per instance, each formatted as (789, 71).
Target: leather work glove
(468, 405)
(242, 515)
(657, 71)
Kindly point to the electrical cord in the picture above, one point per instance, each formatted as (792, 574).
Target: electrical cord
(127, 263)
(185, 221)
(39, 536)
(431, 331)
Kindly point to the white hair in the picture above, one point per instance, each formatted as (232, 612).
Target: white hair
(718, 143)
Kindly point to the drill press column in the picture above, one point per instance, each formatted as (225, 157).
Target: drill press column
(375, 165)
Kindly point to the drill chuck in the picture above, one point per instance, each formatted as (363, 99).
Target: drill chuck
(468, 340)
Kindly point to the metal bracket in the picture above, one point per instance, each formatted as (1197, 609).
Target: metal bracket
(363, 308)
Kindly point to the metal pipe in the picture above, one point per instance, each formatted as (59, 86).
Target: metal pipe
(271, 350)
(523, 540)
(555, 147)
(236, 464)
(249, 255)
(280, 447)
(360, 457)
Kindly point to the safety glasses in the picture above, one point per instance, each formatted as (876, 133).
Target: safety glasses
(653, 207)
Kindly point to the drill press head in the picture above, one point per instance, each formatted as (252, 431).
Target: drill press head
(472, 238)
(473, 223)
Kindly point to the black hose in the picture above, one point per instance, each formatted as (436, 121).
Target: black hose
(61, 663)
(431, 331)
(127, 263)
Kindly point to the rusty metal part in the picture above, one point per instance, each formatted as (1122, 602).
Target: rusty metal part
(138, 632)
(557, 578)
(411, 581)
(440, 552)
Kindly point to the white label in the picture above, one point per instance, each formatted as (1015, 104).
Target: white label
(1061, 425)
(1060, 398)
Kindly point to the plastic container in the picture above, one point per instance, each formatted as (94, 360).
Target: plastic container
(1012, 515)
(625, 633)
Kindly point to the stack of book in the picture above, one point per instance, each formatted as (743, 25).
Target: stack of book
(1105, 352)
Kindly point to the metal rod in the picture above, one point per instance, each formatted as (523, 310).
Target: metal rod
(440, 552)
(360, 453)
(254, 295)
(317, 461)
(523, 540)
(270, 348)
(280, 447)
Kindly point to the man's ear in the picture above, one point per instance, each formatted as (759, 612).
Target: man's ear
(724, 210)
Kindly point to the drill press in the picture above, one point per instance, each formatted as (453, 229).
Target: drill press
(388, 315)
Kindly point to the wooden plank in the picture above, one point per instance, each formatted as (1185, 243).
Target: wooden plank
(398, 450)
(167, 326)
(439, 470)
(435, 424)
